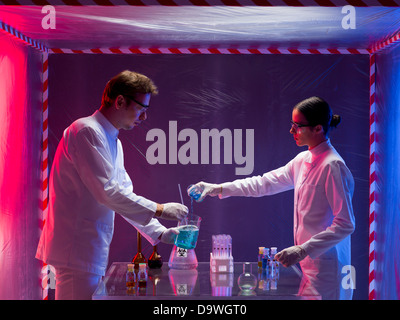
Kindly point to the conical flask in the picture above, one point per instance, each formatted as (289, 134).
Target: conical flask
(182, 259)
(183, 256)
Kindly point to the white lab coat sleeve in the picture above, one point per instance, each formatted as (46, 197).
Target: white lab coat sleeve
(339, 188)
(151, 231)
(93, 163)
(269, 183)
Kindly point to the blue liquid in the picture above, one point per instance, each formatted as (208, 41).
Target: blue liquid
(195, 196)
(187, 237)
(265, 263)
(195, 193)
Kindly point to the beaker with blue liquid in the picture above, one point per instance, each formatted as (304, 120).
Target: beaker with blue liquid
(183, 256)
(195, 191)
(188, 232)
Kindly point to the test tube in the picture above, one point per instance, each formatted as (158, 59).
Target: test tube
(230, 246)
(224, 246)
(213, 246)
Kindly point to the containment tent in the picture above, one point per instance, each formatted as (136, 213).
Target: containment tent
(236, 71)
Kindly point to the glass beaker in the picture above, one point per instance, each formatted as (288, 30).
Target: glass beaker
(247, 281)
(188, 232)
(195, 192)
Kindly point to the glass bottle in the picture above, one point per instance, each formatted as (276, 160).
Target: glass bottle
(274, 251)
(155, 261)
(130, 276)
(260, 256)
(130, 279)
(266, 259)
(247, 281)
(139, 257)
(142, 275)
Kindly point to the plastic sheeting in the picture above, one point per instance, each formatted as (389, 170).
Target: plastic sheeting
(237, 92)
(388, 175)
(200, 92)
(20, 136)
(86, 27)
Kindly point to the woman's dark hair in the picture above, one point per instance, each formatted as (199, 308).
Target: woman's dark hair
(317, 111)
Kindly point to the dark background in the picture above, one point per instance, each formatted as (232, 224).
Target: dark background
(235, 92)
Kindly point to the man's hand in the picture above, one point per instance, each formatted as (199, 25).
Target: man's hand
(169, 235)
(291, 255)
(171, 211)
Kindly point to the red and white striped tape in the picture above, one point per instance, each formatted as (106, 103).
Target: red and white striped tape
(21, 37)
(235, 3)
(372, 182)
(45, 170)
(208, 51)
(386, 44)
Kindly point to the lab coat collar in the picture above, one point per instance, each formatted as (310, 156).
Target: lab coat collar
(320, 149)
(107, 125)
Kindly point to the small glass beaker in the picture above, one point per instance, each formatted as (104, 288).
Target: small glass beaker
(195, 192)
(188, 232)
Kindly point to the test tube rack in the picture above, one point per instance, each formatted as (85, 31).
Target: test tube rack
(221, 265)
(221, 259)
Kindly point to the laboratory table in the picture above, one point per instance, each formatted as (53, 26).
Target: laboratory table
(200, 284)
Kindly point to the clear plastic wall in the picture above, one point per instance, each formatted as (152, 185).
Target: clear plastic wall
(240, 93)
(388, 175)
(20, 154)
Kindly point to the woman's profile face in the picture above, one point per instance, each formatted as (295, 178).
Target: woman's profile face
(304, 136)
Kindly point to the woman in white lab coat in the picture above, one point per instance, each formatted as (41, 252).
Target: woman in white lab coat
(323, 190)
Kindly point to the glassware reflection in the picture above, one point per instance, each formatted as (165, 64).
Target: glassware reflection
(183, 281)
(221, 284)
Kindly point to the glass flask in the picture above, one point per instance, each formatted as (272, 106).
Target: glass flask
(247, 281)
(155, 261)
(182, 259)
(139, 257)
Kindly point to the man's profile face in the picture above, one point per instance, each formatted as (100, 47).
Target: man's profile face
(131, 113)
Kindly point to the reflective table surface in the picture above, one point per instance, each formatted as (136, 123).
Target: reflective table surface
(200, 284)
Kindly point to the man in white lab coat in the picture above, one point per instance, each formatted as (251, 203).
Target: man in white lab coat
(323, 190)
(88, 183)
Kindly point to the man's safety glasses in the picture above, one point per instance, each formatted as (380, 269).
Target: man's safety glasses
(139, 103)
